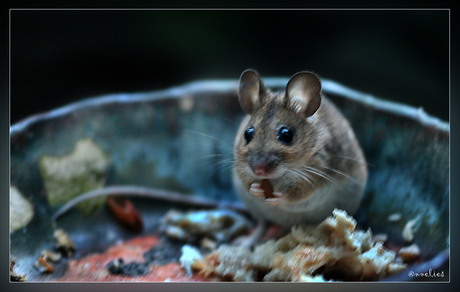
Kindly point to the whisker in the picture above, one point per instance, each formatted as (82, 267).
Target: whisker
(232, 122)
(226, 143)
(306, 176)
(207, 156)
(354, 159)
(213, 158)
(341, 173)
(225, 165)
(207, 146)
(320, 173)
(303, 175)
(243, 170)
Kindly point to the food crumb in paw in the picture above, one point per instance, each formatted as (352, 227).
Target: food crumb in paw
(267, 187)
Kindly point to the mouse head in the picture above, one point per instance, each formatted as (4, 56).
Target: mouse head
(278, 130)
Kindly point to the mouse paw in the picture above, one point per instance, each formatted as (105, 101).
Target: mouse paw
(257, 191)
(275, 201)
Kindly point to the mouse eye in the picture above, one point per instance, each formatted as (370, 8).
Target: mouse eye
(285, 135)
(249, 134)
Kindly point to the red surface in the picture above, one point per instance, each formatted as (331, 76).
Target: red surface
(93, 268)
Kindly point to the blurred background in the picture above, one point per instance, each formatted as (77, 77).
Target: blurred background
(61, 56)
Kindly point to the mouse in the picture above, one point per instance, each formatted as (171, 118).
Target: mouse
(296, 157)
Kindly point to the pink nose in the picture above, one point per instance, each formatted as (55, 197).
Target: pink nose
(264, 164)
(260, 170)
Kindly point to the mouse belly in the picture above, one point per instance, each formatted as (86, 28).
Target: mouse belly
(314, 209)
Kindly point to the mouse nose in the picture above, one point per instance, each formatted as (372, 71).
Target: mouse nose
(264, 165)
(260, 170)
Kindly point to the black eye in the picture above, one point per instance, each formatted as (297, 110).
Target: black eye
(249, 134)
(285, 135)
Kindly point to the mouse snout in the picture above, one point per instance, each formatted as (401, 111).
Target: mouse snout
(264, 165)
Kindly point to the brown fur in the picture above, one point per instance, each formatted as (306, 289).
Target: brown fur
(324, 141)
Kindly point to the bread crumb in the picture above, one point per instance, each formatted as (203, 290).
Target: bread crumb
(409, 253)
(189, 256)
(382, 237)
(408, 232)
(15, 276)
(64, 243)
(394, 217)
(208, 243)
(334, 247)
(51, 256)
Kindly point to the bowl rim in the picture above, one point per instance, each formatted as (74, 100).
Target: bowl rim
(231, 85)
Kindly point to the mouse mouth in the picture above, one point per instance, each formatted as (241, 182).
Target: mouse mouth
(263, 172)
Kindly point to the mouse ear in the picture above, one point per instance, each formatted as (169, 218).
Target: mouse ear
(303, 92)
(250, 91)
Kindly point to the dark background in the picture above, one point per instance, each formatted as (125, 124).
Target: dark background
(59, 56)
